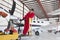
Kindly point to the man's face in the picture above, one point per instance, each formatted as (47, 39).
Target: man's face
(31, 11)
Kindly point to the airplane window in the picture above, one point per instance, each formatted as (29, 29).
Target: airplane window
(42, 22)
(38, 21)
(50, 22)
(34, 21)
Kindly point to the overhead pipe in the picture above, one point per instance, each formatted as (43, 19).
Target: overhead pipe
(39, 2)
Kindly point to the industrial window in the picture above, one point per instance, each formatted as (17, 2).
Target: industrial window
(7, 4)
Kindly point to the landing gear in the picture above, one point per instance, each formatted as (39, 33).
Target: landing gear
(37, 33)
(56, 32)
(49, 31)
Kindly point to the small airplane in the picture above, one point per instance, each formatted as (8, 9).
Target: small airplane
(57, 28)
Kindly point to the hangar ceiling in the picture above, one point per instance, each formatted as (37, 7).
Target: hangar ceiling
(42, 8)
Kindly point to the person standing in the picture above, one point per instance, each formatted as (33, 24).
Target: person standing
(30, 14)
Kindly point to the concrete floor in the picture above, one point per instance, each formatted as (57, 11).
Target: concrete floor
(43, 36)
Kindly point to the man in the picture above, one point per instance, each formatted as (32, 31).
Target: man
(30, 14)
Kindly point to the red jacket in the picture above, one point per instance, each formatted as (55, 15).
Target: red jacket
(26, 18)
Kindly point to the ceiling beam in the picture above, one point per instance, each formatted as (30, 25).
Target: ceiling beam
(45, 13)
(58, 7)
(29, 1)
(9, 8)
(59, 3)
(24, 4)
(51, 16)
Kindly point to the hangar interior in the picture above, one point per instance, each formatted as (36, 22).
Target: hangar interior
(46, 20)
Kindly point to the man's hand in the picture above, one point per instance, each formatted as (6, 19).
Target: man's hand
(21, 19)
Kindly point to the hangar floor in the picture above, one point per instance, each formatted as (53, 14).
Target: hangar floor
(43, 36)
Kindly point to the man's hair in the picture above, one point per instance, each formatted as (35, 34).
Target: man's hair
(32, 9)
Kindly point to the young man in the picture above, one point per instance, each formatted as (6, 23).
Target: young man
(30, 14)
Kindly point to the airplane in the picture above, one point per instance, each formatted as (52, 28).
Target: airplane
(55, 29)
